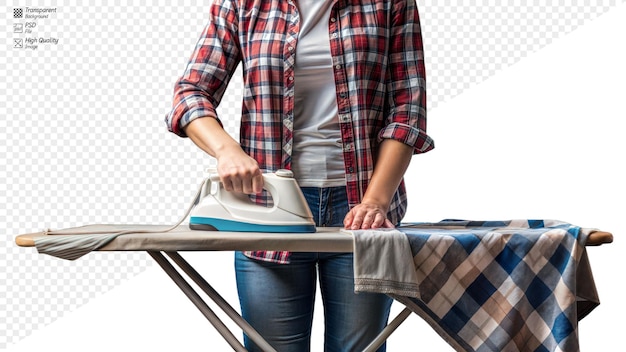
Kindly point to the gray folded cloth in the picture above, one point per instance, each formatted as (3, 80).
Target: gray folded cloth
(383, 263)
(74, 243)
(72, 247)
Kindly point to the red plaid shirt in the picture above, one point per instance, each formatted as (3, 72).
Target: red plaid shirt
(378, 61)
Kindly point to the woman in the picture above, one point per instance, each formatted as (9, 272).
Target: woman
(335, 91)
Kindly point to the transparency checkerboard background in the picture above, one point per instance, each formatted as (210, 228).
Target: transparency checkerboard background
(82, 137)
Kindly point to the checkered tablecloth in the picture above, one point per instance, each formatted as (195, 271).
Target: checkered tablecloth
(517, 285)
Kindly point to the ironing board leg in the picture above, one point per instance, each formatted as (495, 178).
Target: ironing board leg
(221, 302)
(232, 313)
(197, 300)
(388, 330)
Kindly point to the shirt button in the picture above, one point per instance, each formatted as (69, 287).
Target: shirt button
(290, 48)
(334, 36)
(350, 169)
(337, 66)
(291, 78)
(333, 20)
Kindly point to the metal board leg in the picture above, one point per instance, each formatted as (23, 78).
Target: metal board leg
(388, 330)
(232, 313)
(221, 302)
(197, 300)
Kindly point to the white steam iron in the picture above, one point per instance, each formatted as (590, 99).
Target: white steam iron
(218, 209)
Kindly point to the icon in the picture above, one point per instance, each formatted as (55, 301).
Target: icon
(18, 27)
(18, 13)
(18, 43)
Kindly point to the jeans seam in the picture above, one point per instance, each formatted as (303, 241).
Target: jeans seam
(329, 210)
(322, 207)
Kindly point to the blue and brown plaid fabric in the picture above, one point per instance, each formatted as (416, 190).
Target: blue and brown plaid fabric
(517, 285)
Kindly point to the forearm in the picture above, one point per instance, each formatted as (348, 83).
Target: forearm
(393, 160)
(209, 136)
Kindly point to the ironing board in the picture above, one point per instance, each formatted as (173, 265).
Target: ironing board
(160, 245)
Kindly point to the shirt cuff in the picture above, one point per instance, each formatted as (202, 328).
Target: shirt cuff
(185, 112)
(411, 136)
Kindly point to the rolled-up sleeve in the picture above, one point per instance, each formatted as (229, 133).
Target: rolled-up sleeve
(406, 82)
(198, 92)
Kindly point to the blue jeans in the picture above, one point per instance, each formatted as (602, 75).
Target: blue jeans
(278, 299)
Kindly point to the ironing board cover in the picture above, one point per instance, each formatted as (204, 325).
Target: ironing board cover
(517, 285)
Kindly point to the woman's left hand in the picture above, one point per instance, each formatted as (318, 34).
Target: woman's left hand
(367, 216)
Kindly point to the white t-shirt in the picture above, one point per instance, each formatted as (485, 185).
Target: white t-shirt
(317, 157)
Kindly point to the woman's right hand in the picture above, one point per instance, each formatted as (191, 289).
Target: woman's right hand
(238, 171)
